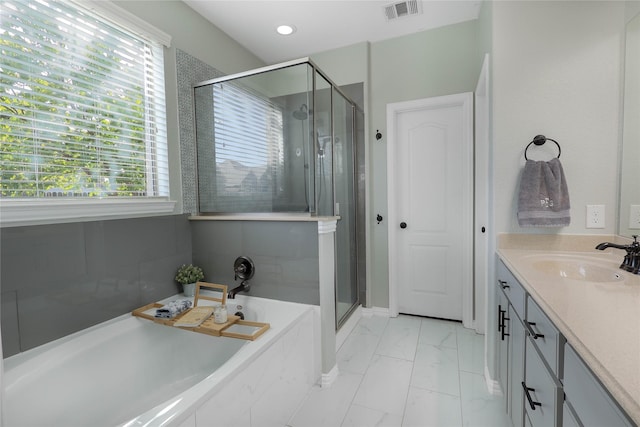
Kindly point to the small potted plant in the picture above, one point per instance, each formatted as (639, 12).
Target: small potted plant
(187, 276)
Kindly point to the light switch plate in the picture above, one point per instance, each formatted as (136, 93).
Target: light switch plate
(634, 217)
(595, 216)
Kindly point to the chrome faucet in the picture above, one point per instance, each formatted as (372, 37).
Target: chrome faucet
(631, 262)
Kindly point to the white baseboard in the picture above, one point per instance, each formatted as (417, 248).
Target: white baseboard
(492, 385)
(377, 311)
(329, 378)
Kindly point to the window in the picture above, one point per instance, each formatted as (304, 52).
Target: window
(248, 151)
(82, 108)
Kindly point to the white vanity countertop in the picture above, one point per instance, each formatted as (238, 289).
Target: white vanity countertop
(601, 321)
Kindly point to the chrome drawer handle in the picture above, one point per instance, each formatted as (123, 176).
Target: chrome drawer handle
(531, 401)
(530, 330)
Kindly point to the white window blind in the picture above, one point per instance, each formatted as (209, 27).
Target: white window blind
(248, 133)
(82, 105)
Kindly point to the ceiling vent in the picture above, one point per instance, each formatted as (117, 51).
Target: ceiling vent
(401, 9)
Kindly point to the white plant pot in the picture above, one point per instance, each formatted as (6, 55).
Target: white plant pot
(189, 289)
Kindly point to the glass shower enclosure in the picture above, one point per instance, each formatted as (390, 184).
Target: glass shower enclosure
(283, 140)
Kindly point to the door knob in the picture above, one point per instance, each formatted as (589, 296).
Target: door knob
(403, 225)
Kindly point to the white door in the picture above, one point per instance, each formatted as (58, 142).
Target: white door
(481, 200)
(430, 206)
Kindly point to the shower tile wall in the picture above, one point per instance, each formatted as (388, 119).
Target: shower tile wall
(190, 70)
(206, 153)
(59, 279)
(285, 255)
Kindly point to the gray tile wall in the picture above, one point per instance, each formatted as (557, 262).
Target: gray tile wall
(58, 279)
(285, 255)
(190, 71)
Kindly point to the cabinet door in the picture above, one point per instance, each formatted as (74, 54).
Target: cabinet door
(516, 369)
(542, 393)
(503, 344)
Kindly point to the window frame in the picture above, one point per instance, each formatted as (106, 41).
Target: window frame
(51, 210)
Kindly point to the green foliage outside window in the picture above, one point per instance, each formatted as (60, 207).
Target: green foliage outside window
(70, 124)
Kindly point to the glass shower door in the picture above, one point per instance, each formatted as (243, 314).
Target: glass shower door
(323, 147)
(345, 198)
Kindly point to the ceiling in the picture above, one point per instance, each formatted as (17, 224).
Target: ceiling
(323, 24)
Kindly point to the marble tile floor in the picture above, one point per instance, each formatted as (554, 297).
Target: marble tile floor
(402, 372)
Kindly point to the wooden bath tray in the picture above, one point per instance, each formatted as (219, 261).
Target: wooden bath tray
(234, 327)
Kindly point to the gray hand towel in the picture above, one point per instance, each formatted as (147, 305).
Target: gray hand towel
(543, 200)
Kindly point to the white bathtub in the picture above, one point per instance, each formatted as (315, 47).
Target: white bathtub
(133, 372)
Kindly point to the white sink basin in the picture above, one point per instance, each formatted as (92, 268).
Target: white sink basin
(576, 268)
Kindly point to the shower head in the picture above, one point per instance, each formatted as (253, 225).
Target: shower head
(301, 114)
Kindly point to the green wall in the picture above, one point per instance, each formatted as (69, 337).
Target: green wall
(436, 62)
(346, 65)
(195, 35)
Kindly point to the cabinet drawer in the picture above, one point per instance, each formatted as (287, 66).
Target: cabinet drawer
(591, 402)
(542, 391)
(512, 289)
(545, 336)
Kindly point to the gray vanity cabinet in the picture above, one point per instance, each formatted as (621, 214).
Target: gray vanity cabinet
(569, 417)
(531, 390)
(510, 297)
(527, 421)
(587, 401)
(544, 381)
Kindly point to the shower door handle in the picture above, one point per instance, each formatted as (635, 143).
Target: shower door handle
(403, 225)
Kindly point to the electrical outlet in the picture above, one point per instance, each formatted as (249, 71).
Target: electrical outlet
(634, 217)
(595, 216)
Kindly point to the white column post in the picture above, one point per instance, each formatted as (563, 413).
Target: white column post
(326, 264)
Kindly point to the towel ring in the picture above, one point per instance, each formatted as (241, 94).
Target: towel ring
(540, 140)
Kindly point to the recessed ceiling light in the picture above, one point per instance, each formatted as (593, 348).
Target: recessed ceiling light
(286, 30)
